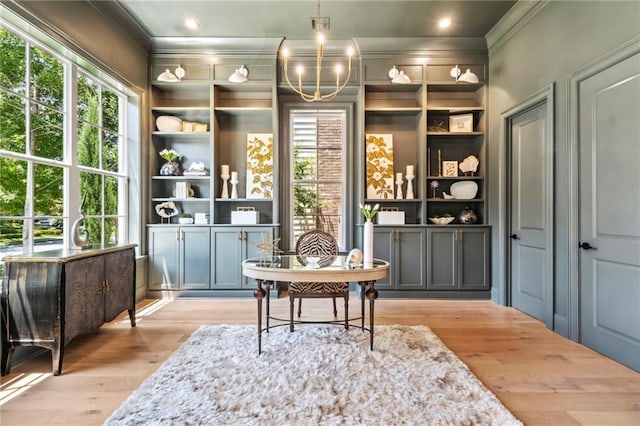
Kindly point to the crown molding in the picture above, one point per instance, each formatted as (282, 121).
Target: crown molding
(518, 16)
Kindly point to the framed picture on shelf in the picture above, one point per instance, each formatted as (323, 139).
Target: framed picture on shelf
(462, 123)
(450, 168)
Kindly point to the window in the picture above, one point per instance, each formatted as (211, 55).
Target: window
(317, 173)
(46, 166)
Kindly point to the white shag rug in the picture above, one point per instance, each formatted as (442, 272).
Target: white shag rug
(317, 375)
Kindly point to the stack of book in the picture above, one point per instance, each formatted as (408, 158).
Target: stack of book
(182, 189)
(201, 219)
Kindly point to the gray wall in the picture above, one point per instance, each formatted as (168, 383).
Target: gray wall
(83, 27)
(561, 38)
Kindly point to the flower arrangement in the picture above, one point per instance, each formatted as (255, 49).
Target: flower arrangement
(369, 212)
(169, 154)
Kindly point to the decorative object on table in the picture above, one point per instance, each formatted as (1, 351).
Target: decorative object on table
(168, 77)
(398, 77)
(445, 219)
(234, 185)
(462, 123)
(464, 190)
(166, 211)
(185, 219)
(267, 247)
(434, 187)
(354, 258)
(367, 240)
(79, 234)
(379, 156)
(319, 24)
(180, 72)
(447, 196)
(436, 126)
(467, 216)
(399, 183)
(196, 168)
(390, 216)
(259, 165)
(450, 168)
(410, 175)
(469, 165)
(239, 75)
(225, 177)
(169, 123)
(171, 167)
(467, 76)
(201, 218)
(245, 216)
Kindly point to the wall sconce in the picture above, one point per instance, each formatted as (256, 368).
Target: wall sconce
(398, 77)
(239, 75)
(467, 76)
(169, 77)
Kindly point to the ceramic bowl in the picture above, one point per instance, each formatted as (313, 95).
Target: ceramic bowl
(441, 220)
(167, 123)
(464, 190)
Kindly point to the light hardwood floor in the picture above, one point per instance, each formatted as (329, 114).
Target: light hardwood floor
(541, 377)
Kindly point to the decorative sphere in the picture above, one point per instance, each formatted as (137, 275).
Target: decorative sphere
(467, 216)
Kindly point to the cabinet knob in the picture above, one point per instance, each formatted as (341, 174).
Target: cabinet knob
(514, 237)
(586, 246)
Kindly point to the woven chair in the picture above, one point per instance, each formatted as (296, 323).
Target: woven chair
(320, 244)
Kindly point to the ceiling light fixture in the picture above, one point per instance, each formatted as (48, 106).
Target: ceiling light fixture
(444, 23)
(319, 24)
(191, 23)
(239, 75)
(467, 76)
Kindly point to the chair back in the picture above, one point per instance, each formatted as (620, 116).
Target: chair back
(317, 243)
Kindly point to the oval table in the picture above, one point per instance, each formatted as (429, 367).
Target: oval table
(267, 270)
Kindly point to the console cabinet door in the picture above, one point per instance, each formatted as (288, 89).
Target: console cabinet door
(120, 279)
(196, 257)
(164, 258)
(85, 287)
(252, 238)
(384, 248)
(227, 254)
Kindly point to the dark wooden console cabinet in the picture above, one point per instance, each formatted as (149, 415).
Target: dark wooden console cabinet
(50, 297)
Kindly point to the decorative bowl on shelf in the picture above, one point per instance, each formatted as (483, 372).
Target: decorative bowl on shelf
(464, 190)
(442, 220)
(168, 123)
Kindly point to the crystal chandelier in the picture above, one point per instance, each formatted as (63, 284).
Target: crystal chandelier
(319, 23)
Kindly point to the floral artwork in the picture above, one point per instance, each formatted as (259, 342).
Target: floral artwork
(259, 165)
(379, 153)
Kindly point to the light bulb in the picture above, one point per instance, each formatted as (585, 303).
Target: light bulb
(350, 51)
(285, 52)
(338, 68)
(299, 69)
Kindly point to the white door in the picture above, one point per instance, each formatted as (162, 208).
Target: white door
(609, 155)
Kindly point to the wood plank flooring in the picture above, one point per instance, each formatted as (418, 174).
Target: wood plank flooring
(541, 377)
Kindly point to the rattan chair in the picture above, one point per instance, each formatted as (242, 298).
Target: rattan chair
(320, 244)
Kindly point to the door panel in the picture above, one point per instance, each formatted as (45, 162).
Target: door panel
(164, 253)
(609, 154)
(411, 257)
(441, 259)
(227, 254)
(197, 257)
(383, 249)
(474, 264)
(530, 286)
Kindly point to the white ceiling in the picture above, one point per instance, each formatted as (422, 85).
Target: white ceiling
(291, 18)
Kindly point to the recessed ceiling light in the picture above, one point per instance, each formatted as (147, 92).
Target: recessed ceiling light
(444, 23)
(191, 23)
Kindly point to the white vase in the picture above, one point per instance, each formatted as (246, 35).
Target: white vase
(367, 242)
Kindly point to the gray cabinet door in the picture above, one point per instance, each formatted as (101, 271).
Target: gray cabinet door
(441, 259)
(473, 250)
(120, 278)
(164, 258)
(410, 256)
(226, 248)
(196, 257)
(383, 248)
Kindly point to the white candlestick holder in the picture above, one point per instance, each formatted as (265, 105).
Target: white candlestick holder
(225, 188)
(234, 188)
(399, 189)
(409, 187)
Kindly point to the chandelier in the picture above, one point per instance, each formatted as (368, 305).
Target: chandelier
(319, 23)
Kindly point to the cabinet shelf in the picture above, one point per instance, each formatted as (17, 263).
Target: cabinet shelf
(179, 178)
(456, 178)
(453, 109)
(179, 109)
(233, 200)
(390, 200)
(201, 136)
(454, 200)
(454, 134)
(394, 110)
(243, 109)
(182, 200)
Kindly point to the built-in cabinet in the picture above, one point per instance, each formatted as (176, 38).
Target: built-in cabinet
(435, 123)
(218, 119)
